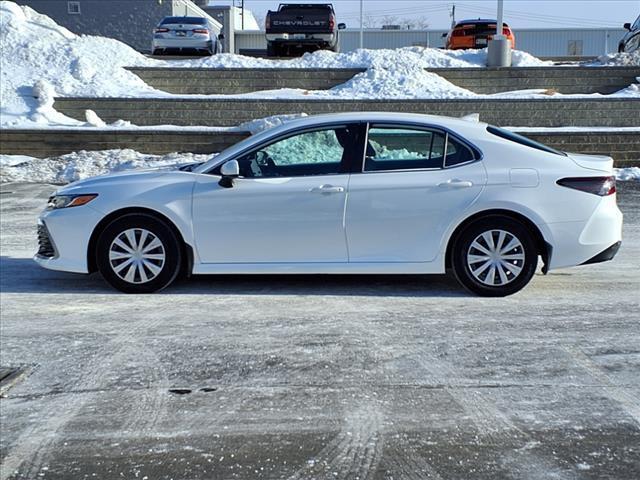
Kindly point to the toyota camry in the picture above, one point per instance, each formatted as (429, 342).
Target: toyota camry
(356, 193)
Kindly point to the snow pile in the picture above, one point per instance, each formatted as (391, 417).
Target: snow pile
(396, 81)
(259, 125)
(79, 165)
(418, 56)
(628, 174)
(41, 59)
(618, 60)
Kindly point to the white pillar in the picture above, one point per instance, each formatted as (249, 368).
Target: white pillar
(361, 24)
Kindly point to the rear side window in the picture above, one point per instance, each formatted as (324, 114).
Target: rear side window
(527, 142)
(392, 148)
(184, 21)
(457, 153)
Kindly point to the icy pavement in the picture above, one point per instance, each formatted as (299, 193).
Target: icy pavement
(349, 377)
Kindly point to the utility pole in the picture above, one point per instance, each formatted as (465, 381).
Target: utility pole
(361, 24)
(242, 14)
(453, 15)
(499, 48)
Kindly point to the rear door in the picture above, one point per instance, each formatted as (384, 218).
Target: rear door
(408, 193)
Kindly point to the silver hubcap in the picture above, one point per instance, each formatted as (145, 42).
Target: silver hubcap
(495, 258)
(137, 255)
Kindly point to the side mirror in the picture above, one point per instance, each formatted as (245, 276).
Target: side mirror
(229, 171)
(444, 35)
(627, 26)
(342, 26)
(221, 36)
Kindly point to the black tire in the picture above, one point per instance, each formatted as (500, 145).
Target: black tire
(157, 52)
(160, 273)
(503, 281)
(271, 50)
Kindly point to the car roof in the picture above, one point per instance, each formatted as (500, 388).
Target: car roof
(478, 20)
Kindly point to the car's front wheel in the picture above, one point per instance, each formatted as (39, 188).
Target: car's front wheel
(138, 253)
(494, 256)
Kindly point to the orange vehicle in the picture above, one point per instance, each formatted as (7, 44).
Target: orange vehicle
(476, 34)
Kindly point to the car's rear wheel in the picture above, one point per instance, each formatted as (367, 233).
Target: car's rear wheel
(138, 253)
(494, 256)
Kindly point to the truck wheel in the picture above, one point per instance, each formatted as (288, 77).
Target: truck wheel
(271, 50)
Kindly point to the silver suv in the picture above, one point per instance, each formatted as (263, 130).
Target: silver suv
(186, 35)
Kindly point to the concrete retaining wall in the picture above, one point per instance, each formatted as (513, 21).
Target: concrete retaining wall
(623, 146)
(480, 80)
(619, 112)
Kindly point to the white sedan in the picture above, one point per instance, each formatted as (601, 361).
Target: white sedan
(357, 193)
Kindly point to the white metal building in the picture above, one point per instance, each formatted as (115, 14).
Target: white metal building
(538, 42)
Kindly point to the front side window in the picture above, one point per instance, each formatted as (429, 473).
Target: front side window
(318, 152)
(393, 148)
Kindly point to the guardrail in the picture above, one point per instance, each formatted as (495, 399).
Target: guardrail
(229, 112)
(232, 81)
(623, 146)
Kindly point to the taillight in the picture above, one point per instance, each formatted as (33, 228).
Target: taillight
(601, 186)
(332, 22)
(267, 23)
(200, 30)
(161, 30)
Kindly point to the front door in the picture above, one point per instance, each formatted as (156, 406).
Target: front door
(286, 207)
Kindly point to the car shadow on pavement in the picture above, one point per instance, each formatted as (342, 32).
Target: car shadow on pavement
(23, 275)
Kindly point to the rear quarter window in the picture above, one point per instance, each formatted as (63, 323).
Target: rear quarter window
(527, 142)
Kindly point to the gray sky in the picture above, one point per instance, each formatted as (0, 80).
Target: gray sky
(518, 13)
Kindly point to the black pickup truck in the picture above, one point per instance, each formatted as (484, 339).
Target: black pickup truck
(296, 27)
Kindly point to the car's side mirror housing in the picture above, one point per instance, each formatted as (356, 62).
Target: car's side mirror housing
(444, 35)
(627, 26)
(228, 171)
(342, 26)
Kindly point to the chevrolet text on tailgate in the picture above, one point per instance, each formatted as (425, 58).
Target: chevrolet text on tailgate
(296, 28)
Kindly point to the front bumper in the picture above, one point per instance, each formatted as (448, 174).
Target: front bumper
(68, 231)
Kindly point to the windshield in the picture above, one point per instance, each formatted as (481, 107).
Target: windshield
(527, 142)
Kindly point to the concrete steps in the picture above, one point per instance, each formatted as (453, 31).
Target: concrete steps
(623, 146)
(552, 112)
(235, 81)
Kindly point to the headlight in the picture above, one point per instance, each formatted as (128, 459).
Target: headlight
(66, 201)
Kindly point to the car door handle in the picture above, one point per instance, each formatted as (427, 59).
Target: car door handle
(456, 183)
(327, 189)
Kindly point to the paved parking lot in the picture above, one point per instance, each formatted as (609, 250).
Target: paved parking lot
(318, 377)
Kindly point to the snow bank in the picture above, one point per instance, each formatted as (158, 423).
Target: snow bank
(628, 174)
(78, 165)
(40, 59)
(257, 126)
(420, 57)
(618, 60)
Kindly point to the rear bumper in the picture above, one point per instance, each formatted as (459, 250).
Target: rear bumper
(303, 39)
(605, 255)
(186, 43)
(584, 242)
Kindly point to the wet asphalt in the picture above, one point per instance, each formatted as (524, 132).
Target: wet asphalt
(347, 377)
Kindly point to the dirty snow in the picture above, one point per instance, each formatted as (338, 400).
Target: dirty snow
(628, 173)
(618, 60)
(79, 165)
